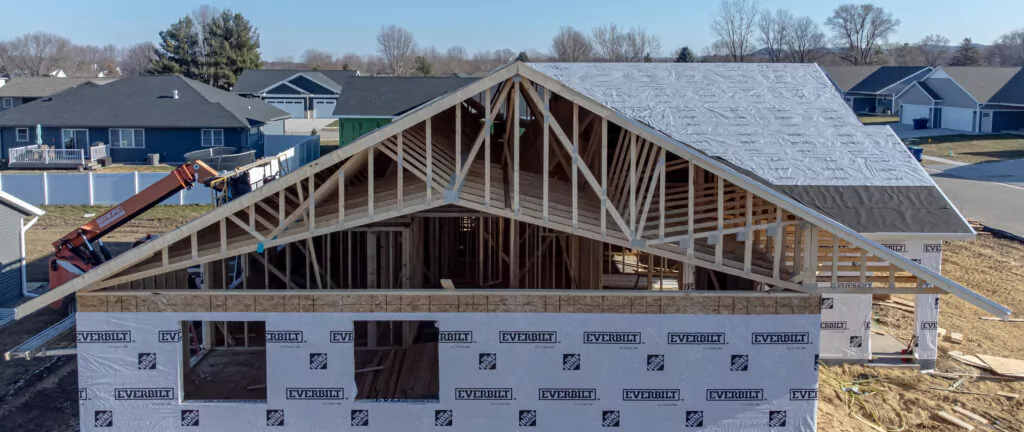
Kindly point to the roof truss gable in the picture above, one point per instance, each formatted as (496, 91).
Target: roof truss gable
(574, 166)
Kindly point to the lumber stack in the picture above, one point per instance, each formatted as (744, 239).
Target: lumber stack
(401, 374)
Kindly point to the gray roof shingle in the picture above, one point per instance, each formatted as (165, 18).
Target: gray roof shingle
(254, 81)
(382, 96)
(984, 82)
(144, 101)
(885, 76)
(37, 87)
(846, 77)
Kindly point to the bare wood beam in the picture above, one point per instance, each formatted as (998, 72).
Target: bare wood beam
(514, 112)
(430, 160)
(650, 197)
(748, 243)
(312, 204)
(247, 229)
(275, 272)
(604, 172)
(547, 149)
(401, 168)
(661, 197)
(721, 220)
(369, 180)
(689, 211)
(483, 137)
(575, 163)
(458, 137)
(632, 182)
(777, 250)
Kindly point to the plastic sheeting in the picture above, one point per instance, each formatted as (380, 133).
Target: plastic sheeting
(565, 372)
(783, 122)
(846, 326)
(928, 254)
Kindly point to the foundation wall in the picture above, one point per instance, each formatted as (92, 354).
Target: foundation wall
(652, 370)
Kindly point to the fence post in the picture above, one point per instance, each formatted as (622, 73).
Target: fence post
(46, 189)
(92, 199)
(181, 197)
(135, 177)
(81, 157)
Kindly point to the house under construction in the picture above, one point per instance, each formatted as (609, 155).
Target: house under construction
(551, 247)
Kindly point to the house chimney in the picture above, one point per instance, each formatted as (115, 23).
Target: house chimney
(175, 94)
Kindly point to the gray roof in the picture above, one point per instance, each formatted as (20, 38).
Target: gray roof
(847, 77)
(781, 124)
(254, 81)
(983, 82)
(1012, 92)
(884, 77)
(144, 101)
(37, 87)
(381, 96)
(18, 205)
(928, 89)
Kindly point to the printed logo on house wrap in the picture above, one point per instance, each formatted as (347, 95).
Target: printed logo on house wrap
(567, 394)
(343, 337)
(655, 362)
(694, 419)
(610, 418)
(833, 325)
(275, 417)
(696, 338)
(780, 338)
(828, 303)
(103, 419)
(933, 248)
(803, 394)
(856, 341)
(612, 338)
(896, 247)
(776, 419)
(455, 337)
(318, 361)
(108, 336)
(650, 395)
(147, 361)
(144, 394)
(527, 418)
(529, 337)
(488, 361)
(315, 393)
(735, 395)
(360, 417)
(284, 337)
(929, 325)
(916, 260)
(571, 362)
(190, 417)
(169, 336)
(483, 394)
(739, 363)
(443, 417)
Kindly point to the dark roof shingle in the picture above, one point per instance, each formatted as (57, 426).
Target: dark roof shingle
(885, 76)
(846, 77)
(144, 101)
(392, 96)
(37, 87)
(254, 81)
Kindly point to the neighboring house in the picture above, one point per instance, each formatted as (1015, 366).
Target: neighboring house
(22, 90)
(368, 103)
(59, 73)
(969, 99)
(871, 89)
(3, 79)
(140, 115)
(13, 224)
(301, 93)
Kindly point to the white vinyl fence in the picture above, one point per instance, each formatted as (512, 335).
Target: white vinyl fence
(54, 188)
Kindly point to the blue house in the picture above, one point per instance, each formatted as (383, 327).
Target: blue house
(137, 116)
(302, 93)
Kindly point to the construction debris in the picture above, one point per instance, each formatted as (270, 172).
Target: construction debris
(957, 338)
(991, 318)
(953, 419)
(1004, 366)
(971, 415)
(1008, 395)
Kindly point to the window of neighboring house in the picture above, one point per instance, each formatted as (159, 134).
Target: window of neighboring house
(127, 138)
(22, 134)
(213, 137)
(8, 103)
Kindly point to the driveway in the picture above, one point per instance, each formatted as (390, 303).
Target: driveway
(992, 192)
(304, 126)
(905, 131)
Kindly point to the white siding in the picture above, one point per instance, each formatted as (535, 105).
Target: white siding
(958, 118)
(323, 108)
(910, 112)
(290, 106)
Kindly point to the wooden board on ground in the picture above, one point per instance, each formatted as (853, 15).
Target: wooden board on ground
(953, 419)
(990, 318)
(969, 359)
(971, 415)
(1003, 365)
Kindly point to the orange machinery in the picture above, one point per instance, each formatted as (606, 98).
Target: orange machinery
(82, 249)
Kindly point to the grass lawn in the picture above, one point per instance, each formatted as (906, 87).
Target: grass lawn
(974, 148)
(117, 168)
(878, 120)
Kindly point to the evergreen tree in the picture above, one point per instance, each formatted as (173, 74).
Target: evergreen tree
(179, 51)
(685, 56)
(523, 57)
(233, 46)
(965, 55)
(422, 66)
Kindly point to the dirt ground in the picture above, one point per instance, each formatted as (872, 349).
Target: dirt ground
(39, 395)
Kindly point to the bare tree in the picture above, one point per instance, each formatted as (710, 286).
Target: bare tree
(774, 30)
(805, 42)
(617, 44)
(396, 45)
(903, 54)
(932, 48)
(317, 59)
(352, 61)
(571, 45)
(38, 53)
(859, 30)
(5, 57)
(1008, 50)
(456, 59)
(136, 58)
(734, 27)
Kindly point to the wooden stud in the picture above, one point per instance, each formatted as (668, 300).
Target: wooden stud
(369, 180)
(720, 185)
(458, 137)
(661, 198)
(430, 161)
(748, 243)
(401, 167)
(777, 250)
(547, 151)
(689, 210)
(632, 184)
(195, 246)
(515, 148)
(487, 140)
(575, 163)
(341, 195)
(223, 236)
(835, 261)
(955, 420)
(604, 172)
(971, 415)
(311, 208)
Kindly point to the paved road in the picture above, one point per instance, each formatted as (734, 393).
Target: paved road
(999, 205)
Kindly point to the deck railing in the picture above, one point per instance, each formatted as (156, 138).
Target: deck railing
(35, 155)
(98, 152)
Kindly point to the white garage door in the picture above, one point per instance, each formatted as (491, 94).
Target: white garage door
(293, 107)
(910, 112)
(958, 118)
(323, 108)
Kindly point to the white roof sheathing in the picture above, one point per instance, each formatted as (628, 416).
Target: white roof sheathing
(783, 122)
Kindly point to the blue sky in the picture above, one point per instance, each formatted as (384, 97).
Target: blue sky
(339, 26)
